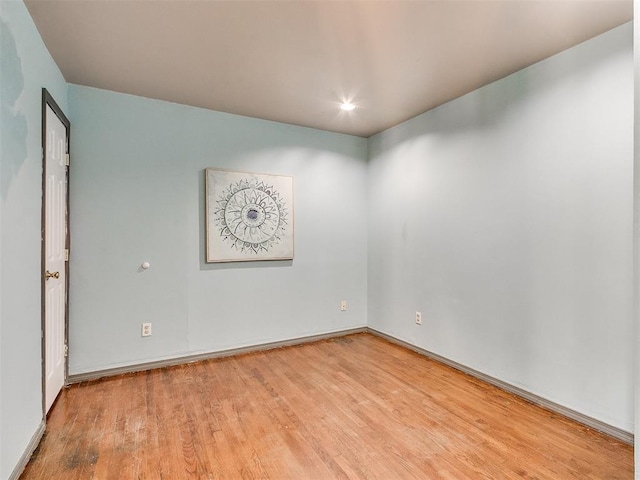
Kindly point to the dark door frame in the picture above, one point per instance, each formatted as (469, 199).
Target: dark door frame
(48, 101)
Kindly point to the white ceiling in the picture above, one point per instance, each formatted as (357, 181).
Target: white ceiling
(295, 61)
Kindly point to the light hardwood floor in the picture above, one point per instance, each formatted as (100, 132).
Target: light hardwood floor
(347, 408)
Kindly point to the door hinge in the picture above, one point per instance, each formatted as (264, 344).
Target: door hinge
(66, 254)
(67, 159)
(66, 350)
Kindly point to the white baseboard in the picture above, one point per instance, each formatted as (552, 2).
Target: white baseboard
(622, 435)
(26, 456)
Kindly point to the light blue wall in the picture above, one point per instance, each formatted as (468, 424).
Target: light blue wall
(636, 216)
(505, 217)
(137, 194)
(25, 67)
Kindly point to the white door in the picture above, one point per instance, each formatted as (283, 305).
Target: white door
(55, 239)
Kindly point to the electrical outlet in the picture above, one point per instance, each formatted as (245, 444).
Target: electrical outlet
(343, 305)
(418, 318)
(146, 329)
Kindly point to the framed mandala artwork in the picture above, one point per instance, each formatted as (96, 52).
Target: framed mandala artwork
(249, 216)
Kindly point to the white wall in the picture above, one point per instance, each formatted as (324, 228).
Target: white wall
(137, 194)
(26, 67)
(505, 216)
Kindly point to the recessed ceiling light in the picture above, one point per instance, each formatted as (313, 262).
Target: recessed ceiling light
(347, 106)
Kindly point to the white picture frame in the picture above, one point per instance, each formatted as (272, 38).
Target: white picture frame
(249, 216)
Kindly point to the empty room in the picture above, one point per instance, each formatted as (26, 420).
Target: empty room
(318, 239)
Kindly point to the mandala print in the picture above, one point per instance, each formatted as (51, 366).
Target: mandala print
(251, 215)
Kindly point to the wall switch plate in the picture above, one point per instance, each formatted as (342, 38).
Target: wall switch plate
(146, 329)
(418, 318)
(343, 305)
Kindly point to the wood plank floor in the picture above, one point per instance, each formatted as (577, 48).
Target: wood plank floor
(347, 408)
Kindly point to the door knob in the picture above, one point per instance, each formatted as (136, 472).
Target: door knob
(48, 275)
